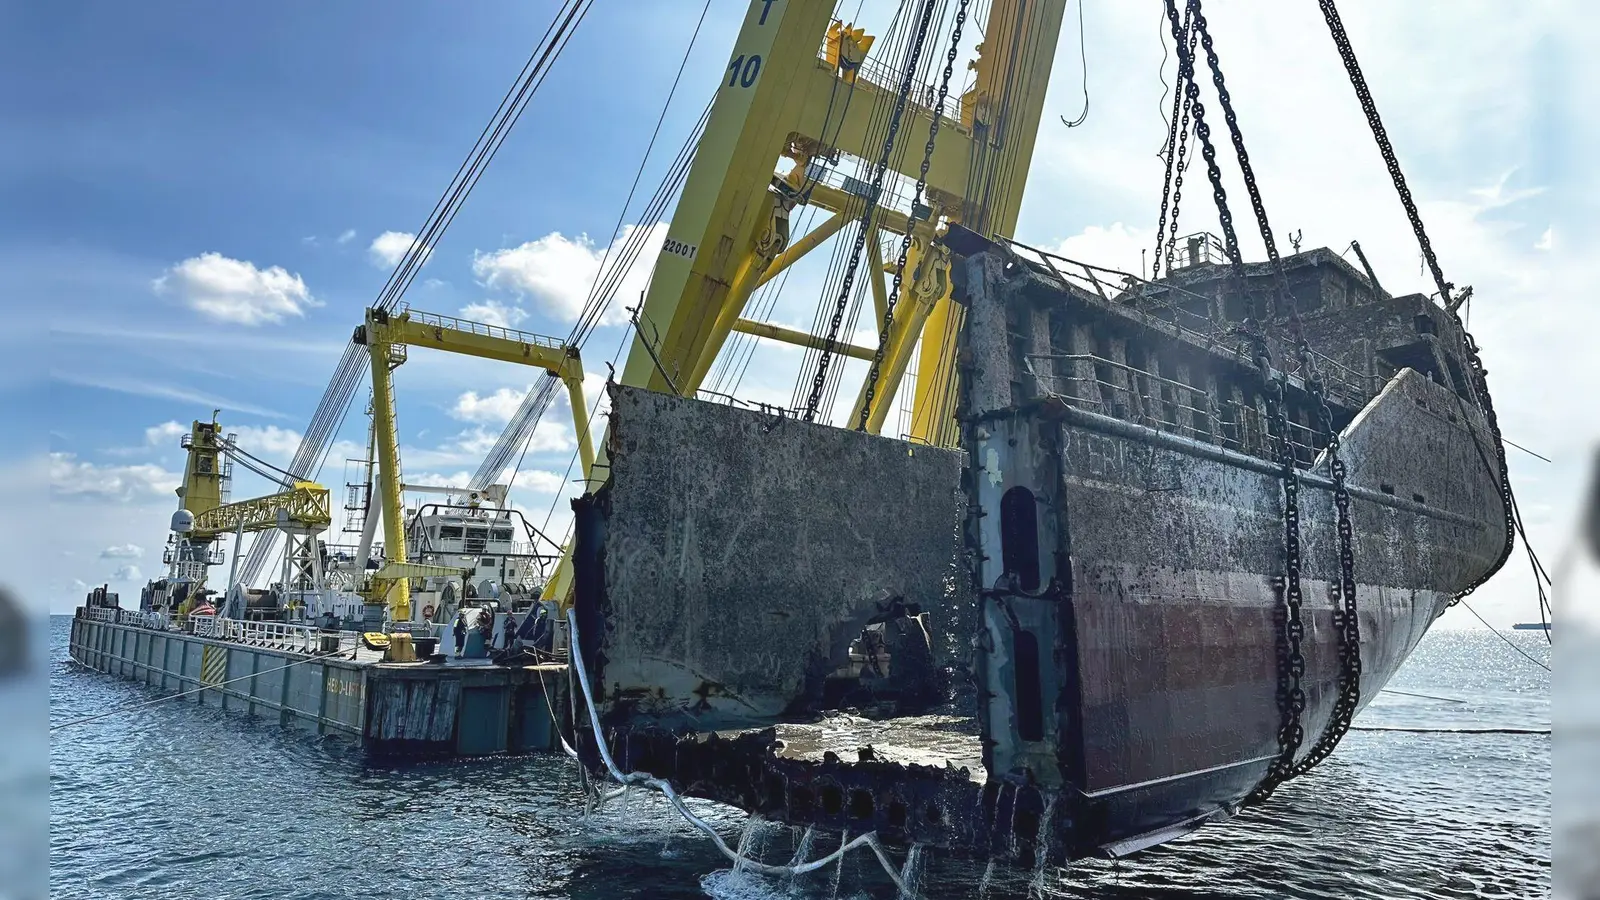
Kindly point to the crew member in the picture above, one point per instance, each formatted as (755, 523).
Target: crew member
(461, 632)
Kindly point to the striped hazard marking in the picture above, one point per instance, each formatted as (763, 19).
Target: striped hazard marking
(213, 665)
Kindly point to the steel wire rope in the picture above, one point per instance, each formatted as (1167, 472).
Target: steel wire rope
(893, 45)
(1083, 56)
(520, 428)
(875, 191)
(394, 274)
(350, 370)
(645, 159)
(422, 249)
(1529, 657)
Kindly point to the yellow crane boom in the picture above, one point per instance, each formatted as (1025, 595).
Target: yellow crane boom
(305, 505)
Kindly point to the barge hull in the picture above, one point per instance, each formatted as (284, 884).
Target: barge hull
(391, 710)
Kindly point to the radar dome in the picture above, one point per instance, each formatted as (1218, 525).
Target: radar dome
(183, 521)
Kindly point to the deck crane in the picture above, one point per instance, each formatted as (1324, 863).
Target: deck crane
(205, 515)
(387, 335)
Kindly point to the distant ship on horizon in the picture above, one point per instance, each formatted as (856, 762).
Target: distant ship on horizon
(1531, 626)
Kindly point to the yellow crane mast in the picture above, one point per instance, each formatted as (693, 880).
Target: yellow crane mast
(780, 98)
(386, 336)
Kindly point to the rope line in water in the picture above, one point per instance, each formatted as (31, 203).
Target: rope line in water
(1452, 730)
(1502, 637)
(868, 840)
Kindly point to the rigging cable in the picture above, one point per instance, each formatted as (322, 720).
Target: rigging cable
(351, 369)
(875, 192)
(1083, 55)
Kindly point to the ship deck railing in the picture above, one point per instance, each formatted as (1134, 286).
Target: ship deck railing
(1166, 303)
(1132, 394)
(273, 635)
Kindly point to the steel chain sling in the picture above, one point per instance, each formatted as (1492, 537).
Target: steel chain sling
(1172, 180)
(1480, 383)
(1291, 630)
(916, 198)
(1346, 617)
(819, 380)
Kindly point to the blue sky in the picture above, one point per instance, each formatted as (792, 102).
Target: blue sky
(173, 157)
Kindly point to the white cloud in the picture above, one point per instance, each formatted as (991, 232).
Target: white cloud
(387, 249)
(74, 479)
(348, 235)
(233, 290)
(1118, 247)
(557, 272)
(123, 551)
(497, 407)
(268, 440)
(128, 572)
(1547, 241)
(489, 312)
(433, 479)
(166, 433)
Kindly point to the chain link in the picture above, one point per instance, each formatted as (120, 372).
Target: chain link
(819, 380)
(1174, 169)
(1480, 383)
(916, 199)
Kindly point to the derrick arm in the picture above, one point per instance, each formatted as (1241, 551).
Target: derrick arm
(305, 505)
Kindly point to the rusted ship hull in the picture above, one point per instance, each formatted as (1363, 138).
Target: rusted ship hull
(1118, 611)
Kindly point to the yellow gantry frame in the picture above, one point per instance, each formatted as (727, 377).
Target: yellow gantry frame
(780, 98)
(386, 336)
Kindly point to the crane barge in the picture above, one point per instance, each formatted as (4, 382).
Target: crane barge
(1147, 547)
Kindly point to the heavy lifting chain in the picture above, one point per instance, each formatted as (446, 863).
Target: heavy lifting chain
(1177, 145)
(819, 380)
(1346, 618)
(916, 199)
(1480, 385)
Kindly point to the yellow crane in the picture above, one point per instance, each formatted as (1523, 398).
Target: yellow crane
(386, 337)
(799, 92)
(779, 99)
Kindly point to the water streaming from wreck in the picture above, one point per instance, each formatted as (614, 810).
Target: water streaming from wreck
(193, 802)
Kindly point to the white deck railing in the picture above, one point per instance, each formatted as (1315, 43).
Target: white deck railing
(272, 635)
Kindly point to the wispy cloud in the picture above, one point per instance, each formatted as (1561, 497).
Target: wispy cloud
(140, 388)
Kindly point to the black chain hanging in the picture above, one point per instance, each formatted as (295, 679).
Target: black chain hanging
(1177, 143)
(916, 200)
(1346, 617)
(1479, 382)
(819, 380)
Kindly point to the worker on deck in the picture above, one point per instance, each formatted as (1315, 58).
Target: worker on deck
(508, 633)
(461, 632)
(539, 633)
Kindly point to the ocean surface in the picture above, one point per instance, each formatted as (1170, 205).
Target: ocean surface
(1432, 798)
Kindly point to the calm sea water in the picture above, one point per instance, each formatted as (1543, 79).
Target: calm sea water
(183, 801)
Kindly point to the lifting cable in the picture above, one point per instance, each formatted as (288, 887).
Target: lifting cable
(741, 862)
(1290, 627)
(937, 116)
(351, 369)
(819, 380)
